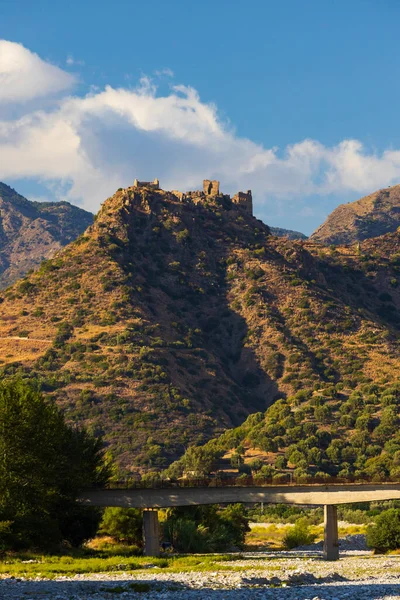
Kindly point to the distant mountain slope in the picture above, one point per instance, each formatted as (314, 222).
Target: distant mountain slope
(288, 233)
(173, 318)
(371, 216)
(33, 231)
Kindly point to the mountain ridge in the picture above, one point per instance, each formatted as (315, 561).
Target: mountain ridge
(169, 321)
(370, 216)
(33, 231)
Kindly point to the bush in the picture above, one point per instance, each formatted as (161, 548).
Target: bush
(384, 535)
(123, 524)
(299, 535)
(206, 528)
(64, 332)
(186, 535)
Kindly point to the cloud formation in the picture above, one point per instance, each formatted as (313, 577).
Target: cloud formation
(24, 76)
(83, 148)
(71, 61)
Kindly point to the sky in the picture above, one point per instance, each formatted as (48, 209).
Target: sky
(297, 101)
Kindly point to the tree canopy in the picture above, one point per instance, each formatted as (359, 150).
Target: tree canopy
(44, 464)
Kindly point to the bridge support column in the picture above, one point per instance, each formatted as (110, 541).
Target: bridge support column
(331, 537)
(151, 534)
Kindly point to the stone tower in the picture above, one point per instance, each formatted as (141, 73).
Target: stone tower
(245, 200)
(210, 188)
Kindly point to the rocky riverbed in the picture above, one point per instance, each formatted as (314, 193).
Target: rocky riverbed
(284, 576)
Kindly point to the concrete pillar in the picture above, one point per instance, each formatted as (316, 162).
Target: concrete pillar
(151, 533)
(331, 537)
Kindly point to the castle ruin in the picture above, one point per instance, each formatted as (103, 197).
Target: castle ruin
(243, 200)
(211, 188)
(151, 184)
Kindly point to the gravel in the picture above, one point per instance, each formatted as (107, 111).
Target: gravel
(254, 576)
(351, 543)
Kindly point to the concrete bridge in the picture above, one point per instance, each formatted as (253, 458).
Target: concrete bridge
(329, 496)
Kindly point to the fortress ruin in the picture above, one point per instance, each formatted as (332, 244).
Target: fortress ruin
(243, 200)
(151, 184)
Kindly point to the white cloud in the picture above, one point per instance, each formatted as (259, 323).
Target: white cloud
(71, 61)
(85, 147)
(24, 76)
(164, 72)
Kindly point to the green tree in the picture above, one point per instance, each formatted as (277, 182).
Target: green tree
(199, 461)
(384, 534)
(44, 465)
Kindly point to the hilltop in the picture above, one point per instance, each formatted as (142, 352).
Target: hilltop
(369, 217)
(175, 316)
(289, 233)
(33, 231)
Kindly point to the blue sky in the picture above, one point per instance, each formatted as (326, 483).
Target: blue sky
(297, 100)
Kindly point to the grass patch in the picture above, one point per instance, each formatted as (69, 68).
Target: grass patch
(49, 567)
(122, 558)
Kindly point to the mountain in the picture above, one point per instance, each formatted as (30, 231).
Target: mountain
(288, 233)
(371, 216)
(347, 423)
(174, 317)
(33, 231)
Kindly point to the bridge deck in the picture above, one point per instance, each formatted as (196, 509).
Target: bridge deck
(284, 494)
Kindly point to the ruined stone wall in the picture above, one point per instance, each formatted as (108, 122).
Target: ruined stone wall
(151, 184)
(180, 195)
(244, 200)
(211, 188)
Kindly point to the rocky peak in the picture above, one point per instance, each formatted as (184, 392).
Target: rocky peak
(371, 216)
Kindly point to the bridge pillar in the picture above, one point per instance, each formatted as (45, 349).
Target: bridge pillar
(151, 534)
(331, 537)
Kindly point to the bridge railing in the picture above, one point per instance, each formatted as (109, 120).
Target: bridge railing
(285, 479)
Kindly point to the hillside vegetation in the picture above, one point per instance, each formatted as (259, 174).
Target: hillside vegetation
(288, 233)
(33, 231)
(168, 322)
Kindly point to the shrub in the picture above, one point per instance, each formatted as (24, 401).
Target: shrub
(186, 536)
(206, 528)
(384, 535)
(299, 535)
(182, 236)
(123, 524)
(26, 287)
(64, 332)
